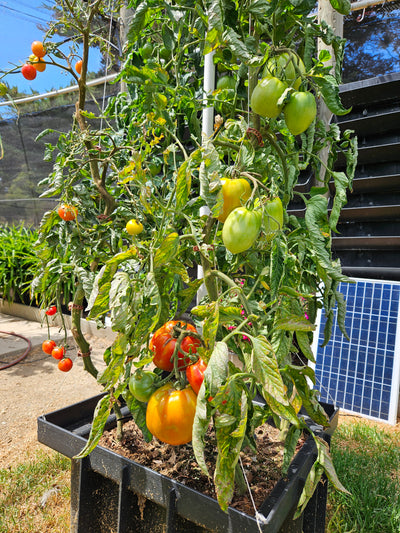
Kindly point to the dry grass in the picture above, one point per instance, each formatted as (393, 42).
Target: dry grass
(35, 495)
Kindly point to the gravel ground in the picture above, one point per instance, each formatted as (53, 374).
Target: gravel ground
(35, 386)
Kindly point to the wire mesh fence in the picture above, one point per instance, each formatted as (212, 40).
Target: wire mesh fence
(23, 164)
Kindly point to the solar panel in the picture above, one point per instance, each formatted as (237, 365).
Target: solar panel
(362, 376)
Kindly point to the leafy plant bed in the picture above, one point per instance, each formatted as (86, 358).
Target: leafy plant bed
(110, 492)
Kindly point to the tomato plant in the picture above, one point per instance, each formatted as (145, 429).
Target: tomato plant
(65, 364)
(219, 250)
(300, 111)
(170, 414)
(28, 71)
(265, 96)
(195, 374)
(48, 346)
(67, 212)
(235, 192)
(142, 384)
(241, 229)
(164, 341)
(133, 227)
(58, 352)
(38, 49)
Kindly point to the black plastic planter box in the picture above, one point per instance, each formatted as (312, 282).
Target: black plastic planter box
(110, 493)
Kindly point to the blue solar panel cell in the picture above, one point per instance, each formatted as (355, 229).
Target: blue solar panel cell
(363, 375)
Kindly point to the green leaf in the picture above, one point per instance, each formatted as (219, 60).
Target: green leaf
(119, 300)
(294, 323)
(138, 21)
(230, 430)
(341, 313)
(167, 251)
(340, 199)
(183, 184)
(325, 460)
(263, 364)
(100, 416)
(214, 376)
(341, 6)
(330, 92)
(210, 326)
(138, 410)
(317, 224)
(304, 345)
(185, 296)
(311, 483)
(277, 268)
(98, 303)
(291, 440)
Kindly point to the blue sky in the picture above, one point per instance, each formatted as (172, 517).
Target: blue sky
(18, 28)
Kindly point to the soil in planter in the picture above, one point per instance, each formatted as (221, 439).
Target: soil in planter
(262, 470)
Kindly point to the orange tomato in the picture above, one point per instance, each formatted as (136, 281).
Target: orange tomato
(65, 364)
(78, 67)
(38, 49)
(170, 414)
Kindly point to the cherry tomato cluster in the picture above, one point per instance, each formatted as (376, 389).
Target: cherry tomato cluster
(35, 63)
(281, 72)
(58, 352)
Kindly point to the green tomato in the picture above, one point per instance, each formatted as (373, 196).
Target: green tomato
(241, 229)
(299, 112)
(286, 67)
(264, 98)
(141, 384)
(272, 218)
(226, 82)
(146, 51)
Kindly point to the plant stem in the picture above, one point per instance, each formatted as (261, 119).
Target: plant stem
(240, 480)
(84, 347)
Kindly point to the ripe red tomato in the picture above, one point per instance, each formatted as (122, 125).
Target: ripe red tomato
(51, 310)
(67, 212)
(65, 364)
(78, 67)
(241, 229)
(58, 352)
(195, 374)
(299, 112)
(28, 71)
(163, 345)
(38, 49)
(48, 346)
(170, 414)
(265, 96)
(235, 192)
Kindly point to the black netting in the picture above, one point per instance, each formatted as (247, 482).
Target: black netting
(22, 166)
(373, 42)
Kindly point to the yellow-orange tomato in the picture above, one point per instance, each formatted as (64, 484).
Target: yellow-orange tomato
(78, 67)
(170, 414)
(67, 212)
(235, 192)
(38, 49)
(37, 63)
